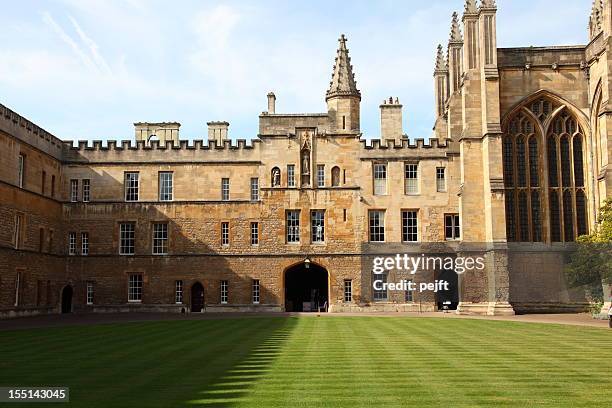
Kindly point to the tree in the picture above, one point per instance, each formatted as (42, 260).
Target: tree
(591, 264)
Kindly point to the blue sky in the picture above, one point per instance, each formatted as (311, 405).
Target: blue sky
(89, 69)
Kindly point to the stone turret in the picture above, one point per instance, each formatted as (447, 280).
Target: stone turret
(440, 81)
(455, 45)
(343, 98)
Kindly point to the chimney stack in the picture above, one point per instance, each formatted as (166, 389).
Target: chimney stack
(271, 103)
(391, 119)
(217, 131)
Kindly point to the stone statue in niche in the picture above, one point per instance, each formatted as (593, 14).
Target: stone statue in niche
(305, 158)
(275, 177)
(305, 162)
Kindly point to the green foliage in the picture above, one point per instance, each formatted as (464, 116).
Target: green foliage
(591, 264)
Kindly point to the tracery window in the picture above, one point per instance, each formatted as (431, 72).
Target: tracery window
(544, 203)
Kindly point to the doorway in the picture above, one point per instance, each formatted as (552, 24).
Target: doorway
(67, 299)
(197, 297)
(449, 299)
(306, 288)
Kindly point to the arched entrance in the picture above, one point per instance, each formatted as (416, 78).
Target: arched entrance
(67, 299)
(306, 288)
(197, 297)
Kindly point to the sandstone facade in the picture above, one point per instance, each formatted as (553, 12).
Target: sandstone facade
(519, 162)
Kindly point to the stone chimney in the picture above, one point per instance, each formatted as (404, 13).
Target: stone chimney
(217, 131)
(271, 103)
(161, 131)
(391, 119)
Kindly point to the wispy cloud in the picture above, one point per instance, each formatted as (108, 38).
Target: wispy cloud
(68, 40)
(93, 48)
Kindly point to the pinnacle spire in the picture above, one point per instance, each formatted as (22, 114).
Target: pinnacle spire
(470, 6)
(455, 34)
(441, 60)
(487, 3)
(343, 79)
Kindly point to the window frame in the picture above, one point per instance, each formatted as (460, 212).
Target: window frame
(178, 292)
(224, 292)
(86, 190)
(291, 175)
(380, 175)
(72, 242)
(123, 236)
(254, 188)
(256, 291)
(442, 180)
(320, 175)
(74, 190)
(292, 226)
(380, 295)
(406, 232)
(225, 189)
(381, 229)
(135, 287)
(225, 232)
(131, 182)
(21, 170)
(455, 227)
(348, 291)
(159, 238)
(84, 243)
(165, 180)
(411, 179)
(315, 222)
(254, 233)
(89, 293)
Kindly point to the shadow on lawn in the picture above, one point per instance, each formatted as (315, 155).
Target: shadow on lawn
(232, 385)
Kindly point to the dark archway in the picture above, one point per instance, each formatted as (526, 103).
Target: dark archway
(197, 297)
(67, 299)
(450, 297)
(306, 288)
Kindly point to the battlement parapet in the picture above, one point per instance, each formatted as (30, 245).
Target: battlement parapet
(21, 128)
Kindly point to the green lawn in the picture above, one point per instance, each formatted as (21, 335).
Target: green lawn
(315, 362)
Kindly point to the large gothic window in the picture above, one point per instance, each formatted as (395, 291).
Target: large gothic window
(544, 203)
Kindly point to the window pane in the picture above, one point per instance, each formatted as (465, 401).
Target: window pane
(254, 189)
(86, 190)
(381, 294)
(290, 175)
(380, 179)
(135, 288)
(348, 290)
(126, 238)
(377, 226)
(178, 291)
(411, 179)
(317, 225)
(409, 226)
(320, 175)
(225, 189)
(254, 233)
(293, 226)
(160, 238)
(74, 190)
(165, 186)
(131, 186)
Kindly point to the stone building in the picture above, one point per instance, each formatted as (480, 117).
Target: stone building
(291, 220)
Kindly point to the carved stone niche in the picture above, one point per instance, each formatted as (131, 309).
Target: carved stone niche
(306, 155)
